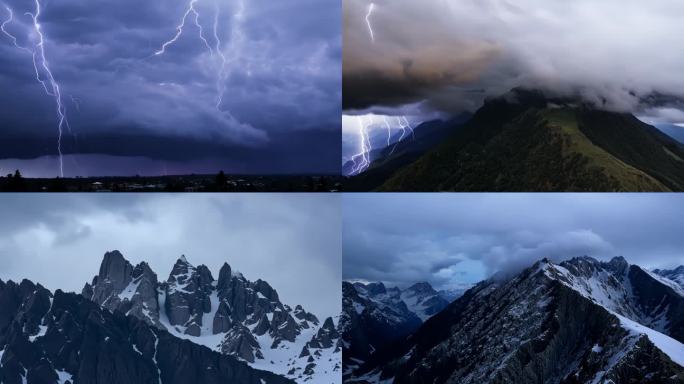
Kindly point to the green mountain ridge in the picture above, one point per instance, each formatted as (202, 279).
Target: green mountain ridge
(525, 141)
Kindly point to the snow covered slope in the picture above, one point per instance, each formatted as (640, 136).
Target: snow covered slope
(580, 321)
(676, 275)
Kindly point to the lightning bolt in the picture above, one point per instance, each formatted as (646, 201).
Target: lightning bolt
(235, 45)
(389, 129)
(216, 49)
(404, 124)
(12, 37)
(41, 64)
(361, 160)
(371, 7)
(77, 102)
(180, 28)
(220, 81)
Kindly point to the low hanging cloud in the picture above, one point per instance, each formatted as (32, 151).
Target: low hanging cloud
(291, 241)
(453, 54)
(451, 239)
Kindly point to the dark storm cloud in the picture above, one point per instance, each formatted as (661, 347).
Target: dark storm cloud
(130, 153)
(292, 241)
(448, 239)
(614, 52)
(283, 74)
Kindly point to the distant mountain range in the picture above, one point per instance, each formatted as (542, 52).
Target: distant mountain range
(528, 141)
(127, 327)
(374, 316)
(674, 131)
(578, 321)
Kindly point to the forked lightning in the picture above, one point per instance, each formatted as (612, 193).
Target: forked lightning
(41, 65)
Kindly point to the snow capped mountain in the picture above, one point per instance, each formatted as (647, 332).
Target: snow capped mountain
(420, 299)
(454, 293)
(626, 290)
(65, 339)
(374, 315)
(676, 275)
(231, 315)
(423, 300)
(579, 321)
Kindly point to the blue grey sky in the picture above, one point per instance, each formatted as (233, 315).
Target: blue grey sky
(456, 238)
(290, 240)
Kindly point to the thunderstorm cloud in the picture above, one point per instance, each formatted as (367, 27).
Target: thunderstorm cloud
(449, 55)
(280, 109)
(455, 239)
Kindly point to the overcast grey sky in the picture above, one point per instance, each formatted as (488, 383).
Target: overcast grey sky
(449, 239)
(290, 240)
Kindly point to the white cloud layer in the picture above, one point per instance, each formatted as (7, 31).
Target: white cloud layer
(616, 51)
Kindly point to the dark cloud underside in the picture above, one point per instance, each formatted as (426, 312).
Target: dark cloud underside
(282, 81)
(449, 239)
(292, 241)
(440, 52)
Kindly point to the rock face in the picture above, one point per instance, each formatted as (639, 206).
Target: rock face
(580, 321)
(231, 314)
(676, 275)
(67, 339)
(374, 316)
(119, 286)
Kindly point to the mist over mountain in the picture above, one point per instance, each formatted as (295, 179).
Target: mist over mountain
(450, 57)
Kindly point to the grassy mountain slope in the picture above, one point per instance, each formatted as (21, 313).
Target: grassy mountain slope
(525, 142)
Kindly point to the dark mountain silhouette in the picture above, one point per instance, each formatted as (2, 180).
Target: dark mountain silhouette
(387, 160)
(65, 338)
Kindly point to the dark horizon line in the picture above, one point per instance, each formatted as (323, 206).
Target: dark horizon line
(183, 175)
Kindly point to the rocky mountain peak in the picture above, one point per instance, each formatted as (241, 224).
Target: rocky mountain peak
(121, 287)
(65, 339)
(618, 265)
(181, 270)
(116, 269)
(676, 275)
(143, 269)
(568, 322)
(266, 290)
(372, 288)
(422, 287)
(231, 315)
(225, 274)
